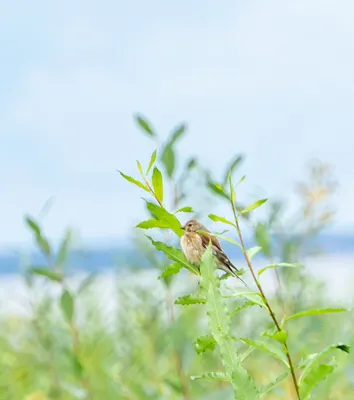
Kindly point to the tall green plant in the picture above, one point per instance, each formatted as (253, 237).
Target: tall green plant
(305, 375)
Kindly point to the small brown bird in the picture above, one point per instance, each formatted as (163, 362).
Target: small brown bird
(194, 244)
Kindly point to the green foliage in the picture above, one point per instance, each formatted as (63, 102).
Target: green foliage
(253, 206)
(67, 305)
(175, 255)
(134, 181)
(157, 184)
(93, 354)
(51, 275)
(219, 325)
(320, 311)
(286, 265)
(220, 219)
(144, 125)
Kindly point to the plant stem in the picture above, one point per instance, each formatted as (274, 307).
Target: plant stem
(270, 310)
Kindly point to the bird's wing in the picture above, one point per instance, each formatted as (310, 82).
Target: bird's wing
(214, 241)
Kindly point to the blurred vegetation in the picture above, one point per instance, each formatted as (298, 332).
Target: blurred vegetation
(75, 343)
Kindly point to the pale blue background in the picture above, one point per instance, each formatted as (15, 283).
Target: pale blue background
(273, 79)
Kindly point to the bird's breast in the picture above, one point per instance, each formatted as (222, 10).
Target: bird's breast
(192, 247)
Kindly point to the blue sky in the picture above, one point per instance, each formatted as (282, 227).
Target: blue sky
(271, 79)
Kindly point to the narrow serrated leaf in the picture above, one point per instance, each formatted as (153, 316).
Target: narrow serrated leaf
(175, 255)
(212, 376)
(313, 359)
(317, 311)
(245, 305)
(132, 180)
(172, 269)
(251, 296)
(219, 325)
(285, 265)
(193, 298)
(253, 206)
(316, 376)
(270, 386)
(266, 347)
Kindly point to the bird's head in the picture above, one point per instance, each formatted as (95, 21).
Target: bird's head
(193, 226)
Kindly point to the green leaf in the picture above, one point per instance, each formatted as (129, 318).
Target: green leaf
(234, 164)
(318, 311)
(157, 184)
(279, 336)
(33, 225)
(153, 223)
(204, 343)
(144, 125)
(287, 265)
(168, 160)
(163, 215)
(152, 161)
(132, 180)
(67, 305)
(263, 239)
(63, 249)
(253, 251)
(193, 298)
(140, 168)
(172, 269)
(232, 190)
(53, 276)
(267, 347)
(251, 296)
(245, 305)
(216, 188)
(267, 388)
(316, 376)
(253, 206)
(219, 325)
(185, 209)
(175, 255)
(220, 219)
(314, 359)
(212, 376)
(43, 245)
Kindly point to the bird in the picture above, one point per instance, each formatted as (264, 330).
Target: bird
(194, 244)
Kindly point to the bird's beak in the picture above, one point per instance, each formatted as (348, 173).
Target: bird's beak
(183, 227)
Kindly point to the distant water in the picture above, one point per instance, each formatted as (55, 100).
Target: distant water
(336, 271)
(121, 256)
